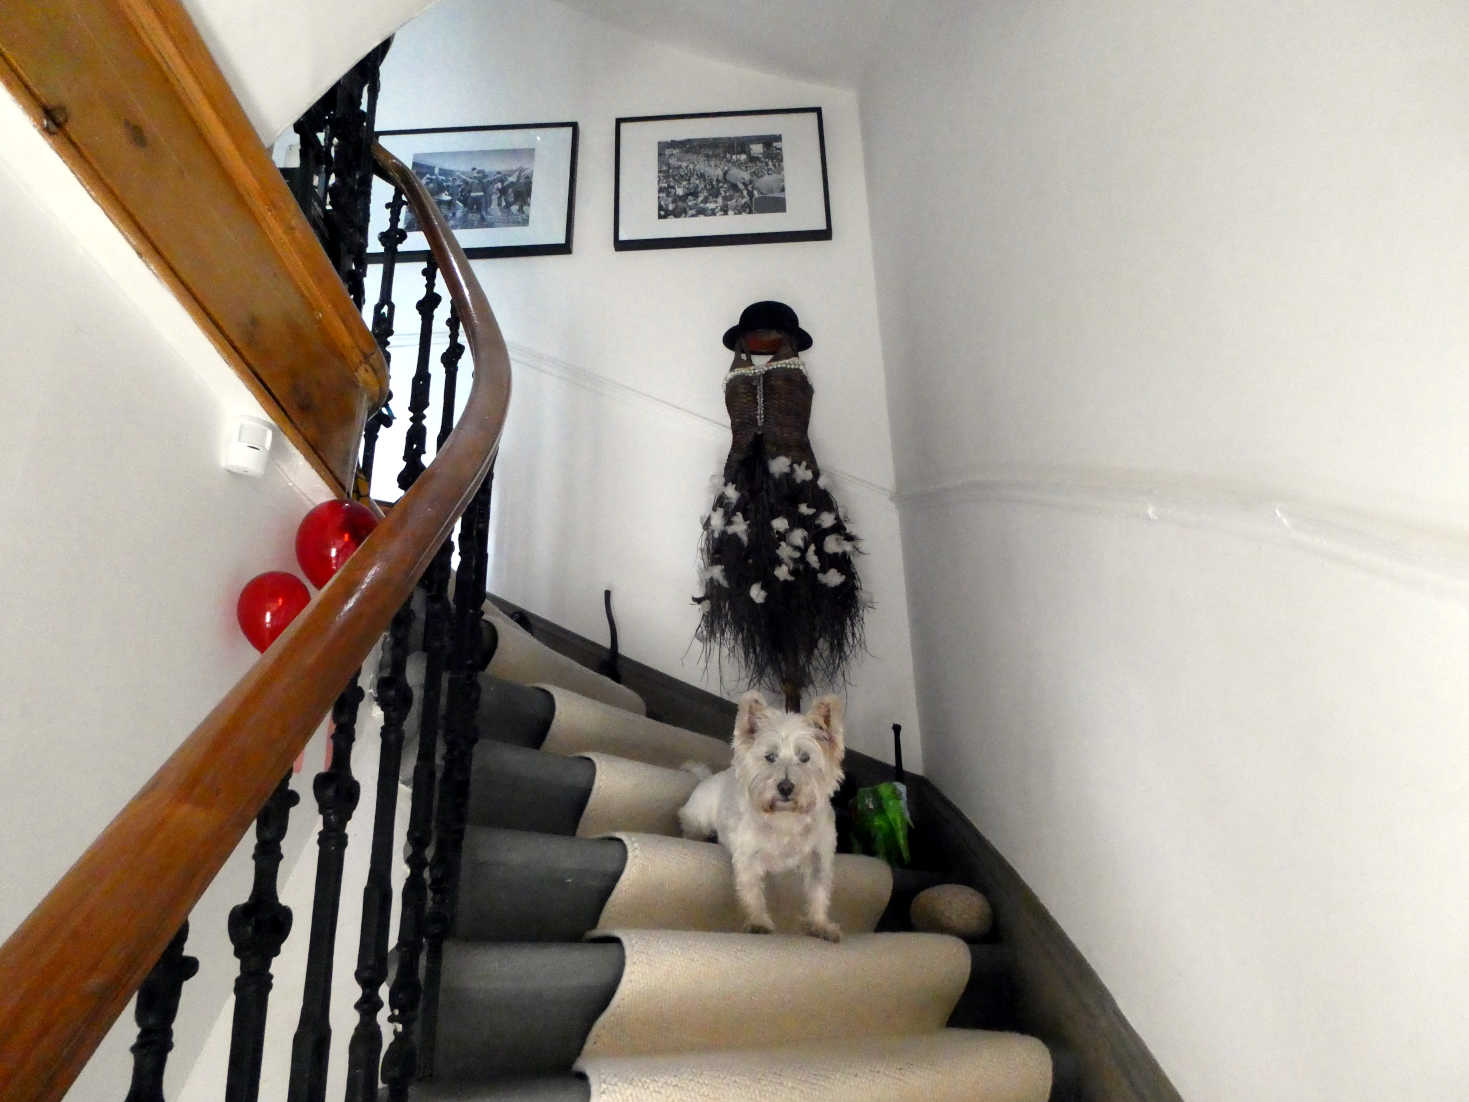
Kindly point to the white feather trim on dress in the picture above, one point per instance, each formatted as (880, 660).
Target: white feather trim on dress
(835, 544)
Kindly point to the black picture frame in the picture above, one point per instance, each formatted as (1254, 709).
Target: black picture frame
(707, 178)
(480, 171)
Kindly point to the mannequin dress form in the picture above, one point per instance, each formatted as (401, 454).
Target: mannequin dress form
(781, 594)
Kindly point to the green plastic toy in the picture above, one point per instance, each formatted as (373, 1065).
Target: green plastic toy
(880, 822)
(880, 819)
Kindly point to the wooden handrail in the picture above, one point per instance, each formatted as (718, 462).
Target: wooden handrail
(128, 95)
(71, 967)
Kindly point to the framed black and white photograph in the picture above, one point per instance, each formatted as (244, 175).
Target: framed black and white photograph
(721, 178)
(504, 190)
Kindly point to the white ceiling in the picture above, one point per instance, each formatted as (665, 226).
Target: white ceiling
(823, 41)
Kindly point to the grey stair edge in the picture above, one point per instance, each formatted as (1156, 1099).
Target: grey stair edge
(514, 1008)
(525, 789)
(540, 1088)
(518, 885)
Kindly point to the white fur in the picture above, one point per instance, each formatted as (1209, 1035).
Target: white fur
(765, 829)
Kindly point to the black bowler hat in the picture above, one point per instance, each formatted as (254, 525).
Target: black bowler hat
(768, 315)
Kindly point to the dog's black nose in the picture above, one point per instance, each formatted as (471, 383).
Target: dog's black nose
(785, 788)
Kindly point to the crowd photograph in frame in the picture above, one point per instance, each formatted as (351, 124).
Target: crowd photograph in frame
(720, 178)
(504, 190)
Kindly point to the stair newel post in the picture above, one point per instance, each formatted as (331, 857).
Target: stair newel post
(258, 928)
(157, 1007)
(336, 792)
(395, 697)
(467, 659)
(400, 1064)
(383, 312)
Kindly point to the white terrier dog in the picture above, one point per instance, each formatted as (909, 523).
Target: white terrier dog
(772, 808)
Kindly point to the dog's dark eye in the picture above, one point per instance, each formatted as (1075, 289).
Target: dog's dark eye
(770, 756)
(805, 757)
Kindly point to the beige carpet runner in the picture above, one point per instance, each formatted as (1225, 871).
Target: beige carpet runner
(684, 991)
(706, 1014)
(582, 725)
(677, 884)
(521, 657)
(950, 1065)
(629, 795)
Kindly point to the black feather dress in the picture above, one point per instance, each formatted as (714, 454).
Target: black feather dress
(781, 596)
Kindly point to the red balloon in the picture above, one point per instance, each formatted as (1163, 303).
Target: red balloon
(268, 604)
(327, 537)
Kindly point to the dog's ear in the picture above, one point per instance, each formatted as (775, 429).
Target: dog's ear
(749, 718)
(826, 716)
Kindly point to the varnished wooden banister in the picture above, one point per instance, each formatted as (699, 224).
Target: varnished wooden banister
(129, 96)
(71, 967)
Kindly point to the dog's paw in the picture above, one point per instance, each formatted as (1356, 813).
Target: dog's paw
(756, 926)
(827, 931)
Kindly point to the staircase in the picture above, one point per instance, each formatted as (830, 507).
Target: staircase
(595, 954)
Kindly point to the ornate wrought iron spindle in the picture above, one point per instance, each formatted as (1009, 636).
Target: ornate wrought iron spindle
(383, 313)
(336, 792)
(450, 362)
(258, 928)
(395, 698)
(416, 441)
(400, 1064)
(467, 659)
(157, 1007)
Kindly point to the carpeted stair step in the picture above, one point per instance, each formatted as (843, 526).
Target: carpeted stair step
(527, 886)
(533, 1009)
(559, 721)
(520, 656)
(949, 1065)
(587, 795)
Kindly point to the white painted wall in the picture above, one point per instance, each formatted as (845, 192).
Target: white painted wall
(618, 419)
(280, 57)
(124, 546)
(1172, 300)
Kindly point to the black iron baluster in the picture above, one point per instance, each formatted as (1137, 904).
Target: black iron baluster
(400, 1064)
(383, 313)
(395, 698)
(416, 441)
(348, 140)
(258, 928)
(157, 1007)
(336, 792)
(450, 361)
(467, 659)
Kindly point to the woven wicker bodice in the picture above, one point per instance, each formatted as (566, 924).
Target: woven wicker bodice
(773, 399)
